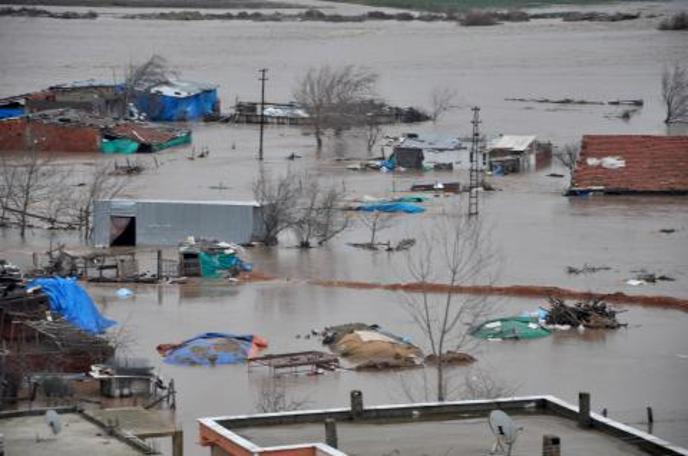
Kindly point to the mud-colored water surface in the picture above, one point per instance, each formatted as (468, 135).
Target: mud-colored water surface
(535, 231)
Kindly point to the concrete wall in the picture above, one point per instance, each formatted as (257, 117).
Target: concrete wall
(161, 223)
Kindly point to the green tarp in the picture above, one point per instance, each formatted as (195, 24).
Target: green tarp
(211, 264)
(119, 146)
(178, 141)
(511, 328)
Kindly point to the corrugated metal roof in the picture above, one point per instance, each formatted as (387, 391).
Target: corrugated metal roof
(182, 89)
(204, 202)
(516, 143)
(437, 142)
(83, 84)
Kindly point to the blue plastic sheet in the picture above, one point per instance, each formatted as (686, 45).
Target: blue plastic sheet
(212, 348)
(408, 208)
(70, 300)
(166, 108)
(6, 113)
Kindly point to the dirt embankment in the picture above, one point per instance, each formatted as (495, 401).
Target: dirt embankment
(524, 291)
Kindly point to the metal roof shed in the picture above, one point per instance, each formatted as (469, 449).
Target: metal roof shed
(120, 222)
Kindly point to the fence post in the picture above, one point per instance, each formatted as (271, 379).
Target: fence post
(356, 404)
(331, 432)
(551, 445)
(584, 420)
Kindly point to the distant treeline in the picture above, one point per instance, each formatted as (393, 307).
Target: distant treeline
(220, 4)
(464, 5)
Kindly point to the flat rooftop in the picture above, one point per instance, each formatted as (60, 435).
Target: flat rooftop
(78, 437)
(450, 437)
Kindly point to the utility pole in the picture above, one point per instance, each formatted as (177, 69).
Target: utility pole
(262, 80)
(474, 177)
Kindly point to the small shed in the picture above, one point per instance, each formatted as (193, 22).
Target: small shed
(513, 153)
(414, 151)
(179, 101)
(120, 222)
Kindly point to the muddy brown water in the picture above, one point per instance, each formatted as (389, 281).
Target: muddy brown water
(536, 231)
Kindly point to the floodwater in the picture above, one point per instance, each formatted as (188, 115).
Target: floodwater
(535, 231)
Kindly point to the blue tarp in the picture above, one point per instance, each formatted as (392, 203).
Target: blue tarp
(408, 208)
(169, 109)
(70, 300)
(6, 113)
(212, 348)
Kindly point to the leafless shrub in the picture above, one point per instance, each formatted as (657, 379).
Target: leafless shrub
(567, 156)
(675, 93)
(333, 96)
(441, 100)
(273, 397)
(678, 21)
(479, 18)
(479, 384)
(101, 184)
(373, 132)
(318, 214)
(375, 221)
(278, 198)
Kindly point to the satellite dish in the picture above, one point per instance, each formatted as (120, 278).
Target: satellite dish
(504, 430)
(53, 421)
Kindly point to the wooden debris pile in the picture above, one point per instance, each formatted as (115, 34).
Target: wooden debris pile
(594, 314)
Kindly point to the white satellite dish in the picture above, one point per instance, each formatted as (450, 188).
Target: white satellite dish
(505, 431)
(53, 421)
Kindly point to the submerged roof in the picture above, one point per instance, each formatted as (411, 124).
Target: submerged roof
(182, 89)
(191, 202)
(515, 143)
(633, 163)
(437, 142)
(83, 84)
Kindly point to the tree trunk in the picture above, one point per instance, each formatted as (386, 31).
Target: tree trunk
(440, 378)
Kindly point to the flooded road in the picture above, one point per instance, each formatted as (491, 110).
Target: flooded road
(536, 232)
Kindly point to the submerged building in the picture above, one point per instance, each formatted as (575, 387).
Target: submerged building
(632, 164)
(179, 101)
(71, 130)
(120, 222)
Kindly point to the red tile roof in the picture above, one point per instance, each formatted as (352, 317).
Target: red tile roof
(653, 163)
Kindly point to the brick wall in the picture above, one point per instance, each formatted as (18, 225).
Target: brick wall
(48, 137)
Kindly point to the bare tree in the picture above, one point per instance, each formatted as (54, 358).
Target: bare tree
(32, 183)
(479, 384)
(8, 175)
(441, 101)
(453, 252)
(318, 215)
(102, 183)
(278, 198)
(375, 221)
(373, 131)
(675, 93)
(334, 96)
(153, 72)
(567, 156)
(273, 397)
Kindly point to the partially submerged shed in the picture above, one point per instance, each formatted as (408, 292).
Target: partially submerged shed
(71, 130)
(179, 101)
(121, 222)
(515, 153)
(414, 151)
(632, 164)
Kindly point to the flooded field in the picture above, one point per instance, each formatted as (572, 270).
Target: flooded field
(536, 232)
